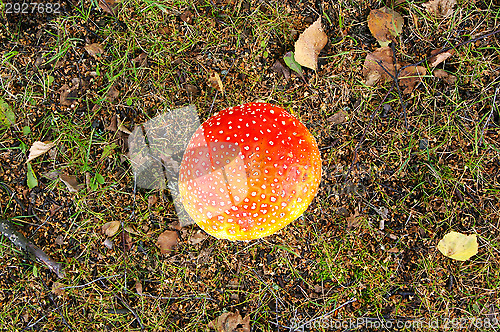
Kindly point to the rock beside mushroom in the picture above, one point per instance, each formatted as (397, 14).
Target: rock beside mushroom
(249, 171)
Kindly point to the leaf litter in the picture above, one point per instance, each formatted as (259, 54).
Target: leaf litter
(385, 25)
(39, 148)
(310, 44)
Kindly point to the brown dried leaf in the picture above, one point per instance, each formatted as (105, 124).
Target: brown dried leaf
(71, 183)
(385, 25)
(94, 50)
(309, 44)
(281, 70)
(228, 322)
(110, 228)
(187, 17)
(126, 241)
(166, 241)
(354, 220)
(338, 118)
(138, 287)
(67, 96)
(38, 148)
(409, 77)
(109, 6)
(197, 238)
(447, 77)
(191, 89)
(113, 124)
(215, 82)
(113, 93)
(152, 200)
(373, 72)
(440, 8)
(435, 60)
(141, 60)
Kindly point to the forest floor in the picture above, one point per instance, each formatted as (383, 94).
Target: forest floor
(400, 170)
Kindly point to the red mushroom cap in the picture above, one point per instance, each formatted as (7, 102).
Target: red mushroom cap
(249, 171)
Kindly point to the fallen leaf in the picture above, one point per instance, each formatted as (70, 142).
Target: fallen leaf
(113, 93)
(409, 77)
(440, 8)
(191, 89)
(130, 230)
(458, 246)
(152, 199)
(31, 179)
(71, 182)
(7, 116)
(215, 82)
(166, 241)
(197, 238)
(110, 228)
(281, 70)
(436, 57)
(109, 6)
(373, 71)
(39, 148)
(187, 17)
(338, 118)
(126, 241)
(113, 124)
(445, 76)
(94, 49)
(138, 287)
(59, 239)
(354, 220)
(309, 44)
(393, 250)
(122, 128)
(141, 60)
(229, 322)
(57, 289)
(385, 25)
(108, 243)
(67, 96)
(289, 59)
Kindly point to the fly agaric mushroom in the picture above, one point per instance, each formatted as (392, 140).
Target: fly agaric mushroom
(249, 171)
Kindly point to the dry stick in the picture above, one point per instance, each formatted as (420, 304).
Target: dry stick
(8, 230)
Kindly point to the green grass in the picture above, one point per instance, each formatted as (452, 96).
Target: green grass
(314, 265)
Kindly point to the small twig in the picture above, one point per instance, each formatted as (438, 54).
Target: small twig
(8, 230)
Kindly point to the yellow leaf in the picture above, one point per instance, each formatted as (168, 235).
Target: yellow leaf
(458, 246)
